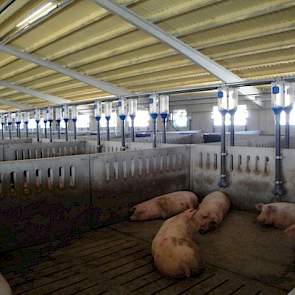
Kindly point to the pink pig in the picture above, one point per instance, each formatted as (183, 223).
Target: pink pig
(281, 215)
(165, 206)
(4, 287)
(174, 251)
(212, 211)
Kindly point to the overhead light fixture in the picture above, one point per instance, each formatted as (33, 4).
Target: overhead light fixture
(38, 13)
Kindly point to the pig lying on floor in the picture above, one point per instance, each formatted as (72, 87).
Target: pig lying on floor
(174, 251)
(212, 211)
(281, 215)
(165, 206)
(4, 287)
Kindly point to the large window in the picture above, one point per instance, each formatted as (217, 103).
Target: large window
(142, 119)
(241, 116)
(180, 118)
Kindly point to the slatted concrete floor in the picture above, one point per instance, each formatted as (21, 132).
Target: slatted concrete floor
(107, 261)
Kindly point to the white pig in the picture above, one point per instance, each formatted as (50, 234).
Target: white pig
(290, 231)
(174, 251)
(4, 287)
(165, 206)
(281, 215)
(212, 211)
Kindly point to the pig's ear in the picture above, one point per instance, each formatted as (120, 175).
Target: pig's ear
(259, 207)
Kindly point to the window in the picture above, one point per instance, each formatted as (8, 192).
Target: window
(180, 118)
(83, 121)
(113, 120)
(142, 119)
(241, 116)
(292, 117)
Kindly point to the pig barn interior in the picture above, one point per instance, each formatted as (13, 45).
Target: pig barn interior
(105, 104)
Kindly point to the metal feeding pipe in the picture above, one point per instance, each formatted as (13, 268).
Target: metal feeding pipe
(227, 99)
(45, 122)
(58, 117)
(282, 98)
(289, 96)
(97, 115)
(66, 117)
(26, 118)
(108, 113)
(154, 108)
(50, 120)
(74, 117)
(122, 109)
(132, 110)
(164, 111)
(211, 87)
(37, 119)
(17, 122)
(3, 126)
(232, 127)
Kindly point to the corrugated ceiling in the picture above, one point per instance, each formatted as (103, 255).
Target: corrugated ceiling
(254, 39)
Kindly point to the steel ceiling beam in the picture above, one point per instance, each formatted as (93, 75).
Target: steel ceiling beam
(51, 98)
(106, 86)
(186, 50)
